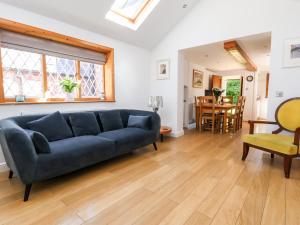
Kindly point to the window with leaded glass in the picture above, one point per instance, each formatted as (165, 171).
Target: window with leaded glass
(32, 68)
(57, 70)
(91, 80)
(22, 73)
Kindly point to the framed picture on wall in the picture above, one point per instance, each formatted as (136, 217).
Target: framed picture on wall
(292, 53)
(197, 79)
(163, 70)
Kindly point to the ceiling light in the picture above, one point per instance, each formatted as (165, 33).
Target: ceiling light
(233, 48)
(238, 57)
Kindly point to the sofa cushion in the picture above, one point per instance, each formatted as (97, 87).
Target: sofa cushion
(84, 123)
(53, 126)
(111, 120)
(128, 139)
(40, 142)
(74, 153)
(139, 122)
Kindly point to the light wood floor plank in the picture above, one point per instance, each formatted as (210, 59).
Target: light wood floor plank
(275, 207)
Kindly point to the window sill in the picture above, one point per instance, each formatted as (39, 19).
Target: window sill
(56, 102)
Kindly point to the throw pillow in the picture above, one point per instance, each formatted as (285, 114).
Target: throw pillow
(40, 142)
(84, 123)
(111, 120)
(53, 126)
(139, 122)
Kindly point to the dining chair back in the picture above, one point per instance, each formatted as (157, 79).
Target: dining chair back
(227, 99)
(209, 117)
(241, 116)
(234, 116)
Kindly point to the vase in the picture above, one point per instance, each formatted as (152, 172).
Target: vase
(218, 99)
(69, 97)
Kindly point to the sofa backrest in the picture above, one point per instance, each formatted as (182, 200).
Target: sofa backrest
(23, 120)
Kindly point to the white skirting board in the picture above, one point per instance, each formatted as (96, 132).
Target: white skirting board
(3, 167)
(177, 134)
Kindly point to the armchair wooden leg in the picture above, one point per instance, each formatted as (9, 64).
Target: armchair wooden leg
(11, 173)
(245, 151)
(287, 166)
(27, 192)
(155, 146)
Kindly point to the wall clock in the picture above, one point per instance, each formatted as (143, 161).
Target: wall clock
(250, 78)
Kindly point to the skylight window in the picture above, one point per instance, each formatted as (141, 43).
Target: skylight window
(131, 13)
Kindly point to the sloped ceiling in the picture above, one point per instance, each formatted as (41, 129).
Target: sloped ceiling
(90, 15)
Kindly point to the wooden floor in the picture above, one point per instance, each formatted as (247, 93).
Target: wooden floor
(198, 179)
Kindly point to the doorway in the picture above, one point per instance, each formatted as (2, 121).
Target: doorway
(234, 89)
(242, 74)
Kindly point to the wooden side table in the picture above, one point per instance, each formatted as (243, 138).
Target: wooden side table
(163, 131)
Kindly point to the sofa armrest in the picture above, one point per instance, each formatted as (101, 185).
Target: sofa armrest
(253, 122)
(18, 150)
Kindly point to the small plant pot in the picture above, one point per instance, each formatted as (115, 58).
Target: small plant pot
(69, 97)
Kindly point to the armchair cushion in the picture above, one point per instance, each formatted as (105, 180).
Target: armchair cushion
(275, 142)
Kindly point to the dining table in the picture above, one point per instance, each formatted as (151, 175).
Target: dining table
(219, 107)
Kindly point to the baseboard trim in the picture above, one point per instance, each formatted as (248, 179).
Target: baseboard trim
(3, 167)
(177, 134)
(191, 126)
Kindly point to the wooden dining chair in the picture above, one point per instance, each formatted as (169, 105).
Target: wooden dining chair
(227, 99)
(234, 116)
(241, 116)
(209, 118)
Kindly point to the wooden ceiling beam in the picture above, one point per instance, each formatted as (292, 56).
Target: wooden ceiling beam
(233, 45)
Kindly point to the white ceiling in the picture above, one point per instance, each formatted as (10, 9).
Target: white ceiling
(90, 15)
(215, 58)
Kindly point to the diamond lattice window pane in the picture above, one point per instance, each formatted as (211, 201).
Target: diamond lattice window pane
(22, 73)
(57, 70)
(91, 80)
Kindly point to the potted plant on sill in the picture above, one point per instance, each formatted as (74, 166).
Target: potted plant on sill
(69, 87)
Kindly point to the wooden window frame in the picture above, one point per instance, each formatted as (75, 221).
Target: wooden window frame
(139, 12)
(108, 67)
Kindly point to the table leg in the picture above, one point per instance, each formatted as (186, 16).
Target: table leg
(197, 117)
(225, 121)
(200, 119)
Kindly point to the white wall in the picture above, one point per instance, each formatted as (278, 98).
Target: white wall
(231, 19)
(192, 92)
(131, 68)
(262, 101)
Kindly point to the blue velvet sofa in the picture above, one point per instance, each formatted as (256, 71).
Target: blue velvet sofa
(79, 147)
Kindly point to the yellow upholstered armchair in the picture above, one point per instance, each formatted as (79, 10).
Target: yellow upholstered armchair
(288, 119)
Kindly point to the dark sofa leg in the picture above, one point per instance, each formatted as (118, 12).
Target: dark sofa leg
(287, 166)
(245, 151)
(11, 173)
(155, 146)
(272, 156)
(27, 192)
(162, 138)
